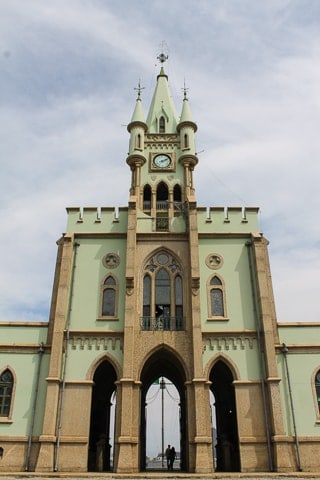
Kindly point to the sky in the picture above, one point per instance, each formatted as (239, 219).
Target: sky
(67, 76)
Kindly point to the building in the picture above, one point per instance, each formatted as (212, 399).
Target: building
(161, 287)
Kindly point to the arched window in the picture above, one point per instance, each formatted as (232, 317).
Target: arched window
(162, 294)
(109, 297)
(185, 141)
(317, 389)
(6, 390)
(147, 197)
(216, 297)
(162, 125)
(138, 141)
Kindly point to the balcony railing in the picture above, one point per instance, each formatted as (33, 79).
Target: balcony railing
(162, 323)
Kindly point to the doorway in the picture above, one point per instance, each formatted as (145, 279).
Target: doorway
(163, 372)
(101, 439)
(226, 455)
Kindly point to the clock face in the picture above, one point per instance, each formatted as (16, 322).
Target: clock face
(162, 161)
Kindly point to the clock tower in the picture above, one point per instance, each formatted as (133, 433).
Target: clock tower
(162, 335)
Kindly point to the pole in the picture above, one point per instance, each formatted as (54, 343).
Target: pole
(162, 387)
(285, 350)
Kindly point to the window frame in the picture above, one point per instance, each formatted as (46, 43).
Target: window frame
(115, 288)
(8, 418)
(314, 385)
(220, 287)
(172, 267)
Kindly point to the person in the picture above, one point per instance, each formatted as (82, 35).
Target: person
(172, 457)
(168, 452)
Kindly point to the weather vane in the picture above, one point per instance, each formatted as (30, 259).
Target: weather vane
(184, 89)
(139, 88)
(162, 57)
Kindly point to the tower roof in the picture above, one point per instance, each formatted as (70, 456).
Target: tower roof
(186, 115)
(162, 106)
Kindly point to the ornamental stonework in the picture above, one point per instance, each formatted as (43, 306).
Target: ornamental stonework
(111, 260)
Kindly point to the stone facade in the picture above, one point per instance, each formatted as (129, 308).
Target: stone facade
(160, 288)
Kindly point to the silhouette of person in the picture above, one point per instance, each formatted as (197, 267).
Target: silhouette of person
(172, 457)
(167, 453)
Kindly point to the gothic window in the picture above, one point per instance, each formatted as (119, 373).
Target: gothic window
(185, 141)
(147, 197)
(109, 297)
(6, 392)
(177, 193)
(216, 297)
(138, 141)
(162, 202)
(317, 389)
(162, 294)
(162, 125)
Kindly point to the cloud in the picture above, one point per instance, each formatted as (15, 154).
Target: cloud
(69, 69)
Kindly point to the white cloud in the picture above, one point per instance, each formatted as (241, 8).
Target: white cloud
(69, 68)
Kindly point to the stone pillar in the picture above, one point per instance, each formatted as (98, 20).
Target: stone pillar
(58, 319)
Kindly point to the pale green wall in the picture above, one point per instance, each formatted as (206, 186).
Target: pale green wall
(302, 368)
(246, 361)
(236, 276)
(32, 333)
(79, 362)
(90, 274)
(24, 367)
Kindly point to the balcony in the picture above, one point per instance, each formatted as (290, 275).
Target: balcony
(162, 323)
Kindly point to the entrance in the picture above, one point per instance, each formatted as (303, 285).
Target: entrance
(227, 443)
(101, 440)
(163, 364)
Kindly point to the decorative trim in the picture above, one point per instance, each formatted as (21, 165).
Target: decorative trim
(214, 261)
(111, 260)
(229, 342)
(129, 285)
(96, 342)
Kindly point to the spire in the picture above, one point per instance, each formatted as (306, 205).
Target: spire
(186, 115)
(138, 115)
(162, 105)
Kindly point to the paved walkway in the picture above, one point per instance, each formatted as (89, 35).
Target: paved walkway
(160, 475)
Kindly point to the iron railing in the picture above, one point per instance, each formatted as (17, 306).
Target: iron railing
(162, 323)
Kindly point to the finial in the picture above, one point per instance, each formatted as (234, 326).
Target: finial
(185, 89)
(138, 89)
(162, 57)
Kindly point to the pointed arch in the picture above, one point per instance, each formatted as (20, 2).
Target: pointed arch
(7, 390)
(177, 194)
(222, 388)
(164, 362)
(109, 296)
(162, 292)
(102, 419)
(100, 359)
(147, 195)
(315, 385)
(162, 194)
(162, 124)
(217, 307)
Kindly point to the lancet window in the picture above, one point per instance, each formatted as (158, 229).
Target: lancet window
(109, 297)
(317, 389)
(6, 392)
(162, 294)
(217, 307)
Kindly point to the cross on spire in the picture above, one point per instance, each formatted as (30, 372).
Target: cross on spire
(162, 57)
(138, 89)
(184, 89)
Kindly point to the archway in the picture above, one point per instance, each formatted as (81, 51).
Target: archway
(102, 419)
(163, 363)
(227, 447)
